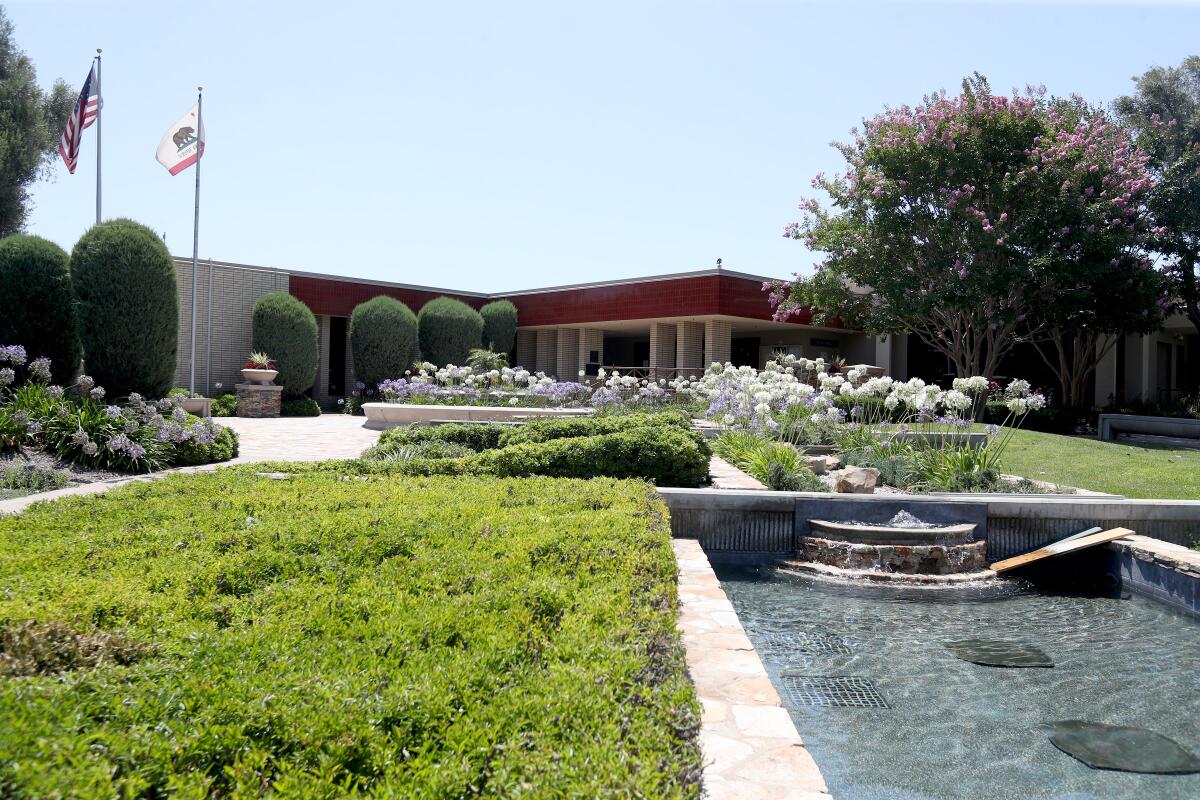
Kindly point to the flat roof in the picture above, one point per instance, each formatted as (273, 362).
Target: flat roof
(483, 295)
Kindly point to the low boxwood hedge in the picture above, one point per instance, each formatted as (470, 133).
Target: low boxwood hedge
(543, 430)
(657, 447)
(228, 635)
(666, 456)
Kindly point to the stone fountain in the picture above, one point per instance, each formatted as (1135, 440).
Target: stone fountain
(901, 547)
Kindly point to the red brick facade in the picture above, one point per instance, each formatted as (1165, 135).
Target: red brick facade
(687, 296)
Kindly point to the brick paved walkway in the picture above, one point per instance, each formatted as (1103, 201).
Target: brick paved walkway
(300, 438)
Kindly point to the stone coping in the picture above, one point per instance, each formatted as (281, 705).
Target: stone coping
(749, 743)
(726, 476)
(1172, 556)
(387, 415)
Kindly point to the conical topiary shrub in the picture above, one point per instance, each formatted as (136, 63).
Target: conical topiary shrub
(383, 339)
(286, 330)
(448, 329)
(37, 304)
(125, 283)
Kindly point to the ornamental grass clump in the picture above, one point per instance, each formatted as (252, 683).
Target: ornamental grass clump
(228, 635)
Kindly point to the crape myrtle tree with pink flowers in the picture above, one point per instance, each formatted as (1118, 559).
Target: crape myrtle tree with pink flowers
(980, 221)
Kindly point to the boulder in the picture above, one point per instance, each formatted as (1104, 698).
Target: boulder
(818, 464)
(832, 463)
(856, 480)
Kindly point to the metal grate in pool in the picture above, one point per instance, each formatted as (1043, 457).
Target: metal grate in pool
(839, 691)
(805, 642)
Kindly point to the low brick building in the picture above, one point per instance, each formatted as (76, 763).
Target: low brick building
(662, 326)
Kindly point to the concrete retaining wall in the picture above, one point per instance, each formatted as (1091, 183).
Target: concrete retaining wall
(388, 415)
(1161, 571)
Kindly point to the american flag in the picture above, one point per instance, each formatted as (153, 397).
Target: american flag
(82, 116)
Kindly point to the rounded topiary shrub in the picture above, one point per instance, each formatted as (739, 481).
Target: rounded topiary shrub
(499, 326)
(383, 339)
(125, 284)
(286, 330)
(37, 305)
(448, 329)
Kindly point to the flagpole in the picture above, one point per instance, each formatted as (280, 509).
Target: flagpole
(99, 114)
(196, 228)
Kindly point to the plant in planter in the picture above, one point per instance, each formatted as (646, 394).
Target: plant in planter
(259, 369)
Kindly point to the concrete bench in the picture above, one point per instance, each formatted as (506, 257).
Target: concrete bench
(1180, 427)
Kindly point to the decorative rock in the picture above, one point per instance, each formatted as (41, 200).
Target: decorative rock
(856, 480)
(818, 464)
(256, 400)
(832, 462)
(906, 559)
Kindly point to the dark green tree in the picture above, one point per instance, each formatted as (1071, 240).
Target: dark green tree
(31, 122)
(126, 288)
(286, 330)
(383, 339)
(1164, 112)
(37, 305)
(499, 326)
(448, 330)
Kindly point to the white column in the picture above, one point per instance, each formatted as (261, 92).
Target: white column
(1106, 372)
(662, 350)
(591, 340)
(689, 348)
(883, 353)
(526, 353)
(718, 341)
(567, 366)
(546, 359)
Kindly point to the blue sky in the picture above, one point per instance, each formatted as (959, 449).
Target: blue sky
(493, 146)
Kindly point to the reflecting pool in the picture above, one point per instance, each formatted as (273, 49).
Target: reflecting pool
(889, 713)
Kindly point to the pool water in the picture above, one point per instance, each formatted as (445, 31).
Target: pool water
(952, 729)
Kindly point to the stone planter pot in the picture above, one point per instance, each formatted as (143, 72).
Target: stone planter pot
(261, 377)
(198, 406)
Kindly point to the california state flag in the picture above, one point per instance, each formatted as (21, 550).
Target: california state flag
(183, 143)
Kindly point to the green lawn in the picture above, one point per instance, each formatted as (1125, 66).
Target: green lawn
(330, 635)
(1130, 470)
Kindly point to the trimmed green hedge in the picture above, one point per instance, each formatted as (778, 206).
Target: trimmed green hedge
(499, 326)
(477, 437)
(448, 329)
(299, 407)
(124, 280)
(659, 447)
(37, 304)
(286, 330)
(383, 339)
(666, 456)
(227, 635)
(543, 430)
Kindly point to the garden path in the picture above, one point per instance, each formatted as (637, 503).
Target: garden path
(300, 438)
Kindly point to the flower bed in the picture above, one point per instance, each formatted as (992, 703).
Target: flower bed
(319, 637)
(466, 386)
(79, 425)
